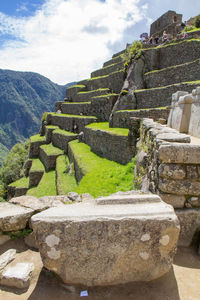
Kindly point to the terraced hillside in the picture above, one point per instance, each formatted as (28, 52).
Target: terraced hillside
(88, 143)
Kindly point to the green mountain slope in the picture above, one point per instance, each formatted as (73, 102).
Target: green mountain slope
(24, 96)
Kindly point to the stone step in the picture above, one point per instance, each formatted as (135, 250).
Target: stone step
(122, 118)
(61, 138)
(114, 81)
(114, 60)
(111, 143)
(48, 132)
(161, 96)
(73, 90)
(36, 142)
(119, 53)
(108, 69)
(87, 95)
(18, 188)
(76, 108)
(36, 172)
(48, 155)
(102, 106)
(172, 54)
(73, 123)
(175, 74)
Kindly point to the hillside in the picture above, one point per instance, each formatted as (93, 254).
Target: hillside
(24, 96)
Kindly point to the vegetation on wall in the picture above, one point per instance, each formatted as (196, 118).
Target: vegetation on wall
(197, 21)
(132, 51)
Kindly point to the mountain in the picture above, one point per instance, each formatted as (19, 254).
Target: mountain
(24, 96)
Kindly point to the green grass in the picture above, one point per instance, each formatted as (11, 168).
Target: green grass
(37, 165)
(104, 96)
(102, 177)
(77, 86)
(144, 109)
(21, 183)
(51, 127)
(166, 86)
(98, 77)
(46, 187)
(93, 91)
(64, 132)
(105, 127)
(77, 103)
(73, 116)
(37, 138)
(65, 182)
(51, 150)
(192, 30)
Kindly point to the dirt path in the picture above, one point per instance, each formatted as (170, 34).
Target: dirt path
(181, 283)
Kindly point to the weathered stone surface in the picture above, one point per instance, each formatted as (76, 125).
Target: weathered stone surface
(179, 187)
(6, 258)
(4, 239)
(13, 217)
(172, 171)
(189, 221)
(177, 201)
(193, 202)
(174, 137)
(31, 241)
(94, 244)
(17, 275)
(29, 202)
(180, 153)
(75, 197)
(194, 128)
(53, 201)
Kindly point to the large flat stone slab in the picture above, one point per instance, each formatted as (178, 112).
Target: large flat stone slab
(6, 258)
(93, 244)
(13, 217)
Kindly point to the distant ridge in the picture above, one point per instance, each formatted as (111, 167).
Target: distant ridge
(24, 96)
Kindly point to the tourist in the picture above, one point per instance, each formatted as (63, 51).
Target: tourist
(151, 40)
(156, 39)
(183, 24)
(164, 37)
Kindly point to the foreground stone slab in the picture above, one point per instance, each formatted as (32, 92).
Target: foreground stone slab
(17, 275)
(93, 244)
(13, 217)
(7, 257)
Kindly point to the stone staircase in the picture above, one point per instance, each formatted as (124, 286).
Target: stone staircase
(107, 97)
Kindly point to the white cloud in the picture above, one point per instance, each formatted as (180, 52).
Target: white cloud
(66, 40)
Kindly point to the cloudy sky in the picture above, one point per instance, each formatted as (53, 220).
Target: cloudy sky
(65, 40)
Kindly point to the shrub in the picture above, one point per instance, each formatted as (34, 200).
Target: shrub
(186, 29)
(197, 21)
(133, 51)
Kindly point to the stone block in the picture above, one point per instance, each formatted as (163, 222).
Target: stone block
(194, 126)
(30, 241)
(174, 137)
(4, 239)
(190, 222)
(177, 201)
(179, 187)
(172, 171)
(13, 217)
(179, 153)
(96, 245)
(17, 275)
(6, 258)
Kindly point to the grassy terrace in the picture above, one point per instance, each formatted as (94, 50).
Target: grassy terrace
(46, 187)
(77, 103)
(64, 132)
(94, 91)
(102, 176)
(37, 165)
(77, 86)
(51, 127)
(104, 96)
(51, 150)
(105, 127)
(37, 138)
(73, 116)
(166, 86)
(21, 183)
(143, 109)
(66, 181)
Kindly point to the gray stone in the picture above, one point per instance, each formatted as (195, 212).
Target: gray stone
(192, 172)
(172, 171)
(189, 221)
(174, 137)
(95, 245)
(30, 202)
(177, 201)
(53, 201)
(193, 202)
(31, 241)
(75, 197)
(13, 217)
(17, 275)
(6, 258)
(180, 153)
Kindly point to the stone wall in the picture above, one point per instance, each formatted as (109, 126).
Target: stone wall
(175, 74)
(61, 140)
(114, 147)
(168, 165)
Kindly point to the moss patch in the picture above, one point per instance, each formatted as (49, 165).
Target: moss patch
(102, 177)
(46, 187)
(65, 180)
(105, 127)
